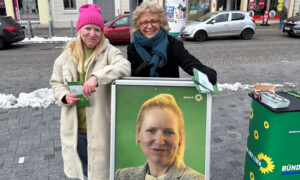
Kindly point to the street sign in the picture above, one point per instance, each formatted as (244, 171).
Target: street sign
(252, 4)
(272, 13)
(261, 4)
(279, 7)
(251, 13)
(266, 16)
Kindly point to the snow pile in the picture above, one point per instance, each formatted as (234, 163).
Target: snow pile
(234, 87)
(7, 101)
(40, 98)
(238, 86)
(43, 40)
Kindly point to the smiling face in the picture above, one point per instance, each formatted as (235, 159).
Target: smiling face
(159, 136)
(91, 35)
(149, 24)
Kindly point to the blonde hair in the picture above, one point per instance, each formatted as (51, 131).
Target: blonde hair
(149, 7)
(76, 50)
(164, 101)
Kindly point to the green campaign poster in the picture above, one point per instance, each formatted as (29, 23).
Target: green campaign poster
(128, 95)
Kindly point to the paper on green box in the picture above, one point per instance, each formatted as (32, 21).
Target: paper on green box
(76, 88)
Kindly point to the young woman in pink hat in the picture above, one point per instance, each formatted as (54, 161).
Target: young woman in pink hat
(85, 131)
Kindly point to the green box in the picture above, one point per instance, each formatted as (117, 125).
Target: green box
(273, 144)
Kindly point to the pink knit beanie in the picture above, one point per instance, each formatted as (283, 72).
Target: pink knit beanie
(89, 14)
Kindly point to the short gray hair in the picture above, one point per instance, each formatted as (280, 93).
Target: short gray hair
(151, 7)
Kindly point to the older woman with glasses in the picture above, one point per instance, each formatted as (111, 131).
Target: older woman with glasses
(153, 53)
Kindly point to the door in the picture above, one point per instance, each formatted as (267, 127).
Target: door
(236, 23)
(219, 26)
(120, 30)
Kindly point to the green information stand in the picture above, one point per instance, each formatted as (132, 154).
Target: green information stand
(273, 147)
(127, 97)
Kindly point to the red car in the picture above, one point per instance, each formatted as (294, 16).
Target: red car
(118, 29)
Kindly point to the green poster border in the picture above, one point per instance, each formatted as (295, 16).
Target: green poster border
(126, 94)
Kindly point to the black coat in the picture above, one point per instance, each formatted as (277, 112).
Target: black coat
(177, 56)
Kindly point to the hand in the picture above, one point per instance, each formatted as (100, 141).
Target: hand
(144, 69)
(71, 98)
(90, 85)
(211, 74)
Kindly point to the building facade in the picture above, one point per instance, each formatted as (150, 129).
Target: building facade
(61, 12)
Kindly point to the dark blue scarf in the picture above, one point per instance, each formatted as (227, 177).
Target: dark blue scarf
(158, 45)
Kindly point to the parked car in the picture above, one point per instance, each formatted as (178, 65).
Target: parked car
(292, 26)
(118, 29)
(10, 31)
(220, 23)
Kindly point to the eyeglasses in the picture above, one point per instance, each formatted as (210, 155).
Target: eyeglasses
(152, 22)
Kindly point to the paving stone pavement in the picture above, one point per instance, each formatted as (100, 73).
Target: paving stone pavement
(33, 135)
(30, 142)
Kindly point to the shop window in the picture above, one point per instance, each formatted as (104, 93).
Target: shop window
(261, 6)
(237, 16)
(197, 8)
(2, 8)
(28, 9)
(296, 11)
(69, 4)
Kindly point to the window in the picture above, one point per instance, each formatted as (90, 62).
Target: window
(2, 8)
(69, 4)
(222, 18)
(28, 9)
(237, 16)
(296, 11)
(122, 22)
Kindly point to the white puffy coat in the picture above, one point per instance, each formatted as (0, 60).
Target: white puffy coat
(107, 65)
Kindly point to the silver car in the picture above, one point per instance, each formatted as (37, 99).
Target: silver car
(223, 23)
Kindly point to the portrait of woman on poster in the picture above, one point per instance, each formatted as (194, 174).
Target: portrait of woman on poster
(93, 61)
(161, 136)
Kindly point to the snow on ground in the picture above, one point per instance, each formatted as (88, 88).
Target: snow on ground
(37, 39)
(238, 86)
(42, 98)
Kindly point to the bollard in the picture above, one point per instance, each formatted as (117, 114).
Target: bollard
(72, 28)
(29, 30)
(50, 30)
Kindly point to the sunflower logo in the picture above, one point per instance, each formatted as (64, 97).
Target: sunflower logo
(256, 134)
(251, 115)
(270, 166)
(266, 124)
(251, 176)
